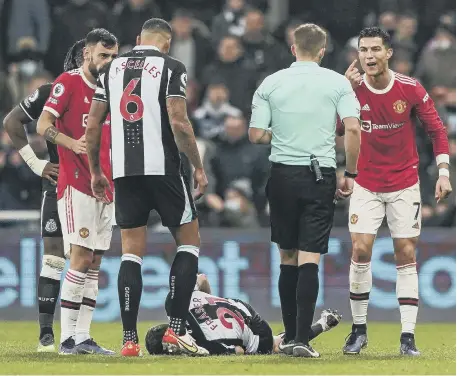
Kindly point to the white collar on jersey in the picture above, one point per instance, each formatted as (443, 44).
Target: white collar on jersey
(88, 83)
(146, 47)
(383, 91)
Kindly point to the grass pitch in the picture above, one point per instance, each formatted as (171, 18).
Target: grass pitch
(18, 342)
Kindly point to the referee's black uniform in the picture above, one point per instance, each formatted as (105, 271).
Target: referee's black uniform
(147, 170)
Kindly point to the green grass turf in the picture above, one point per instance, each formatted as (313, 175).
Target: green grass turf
(436, 341)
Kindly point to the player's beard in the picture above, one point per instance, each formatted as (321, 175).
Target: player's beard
(93, 69)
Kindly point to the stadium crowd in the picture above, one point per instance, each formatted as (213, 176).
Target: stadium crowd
(228, 47)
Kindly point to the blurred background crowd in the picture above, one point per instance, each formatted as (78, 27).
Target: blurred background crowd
(228, 47)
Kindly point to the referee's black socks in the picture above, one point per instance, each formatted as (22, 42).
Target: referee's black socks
(183, 276)
(307, 291)
(130, 287)
(287, 285)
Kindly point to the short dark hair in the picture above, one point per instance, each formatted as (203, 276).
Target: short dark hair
(310, 39)
(74, 58)
(376, 32)
(103, 36)
(157, 25)
(153, 339)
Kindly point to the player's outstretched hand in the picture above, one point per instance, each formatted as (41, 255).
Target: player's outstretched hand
(353, 75)
(100, 185)
(346, 190)
(51, 172)
(79, 146)
(200, 183)
(443, 188)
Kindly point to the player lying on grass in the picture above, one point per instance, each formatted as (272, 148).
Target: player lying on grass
(230, 326)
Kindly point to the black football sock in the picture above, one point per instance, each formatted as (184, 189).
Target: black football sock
(288, 278)
(48, 292)
(307, 291)
(183, 276)
(130, 287)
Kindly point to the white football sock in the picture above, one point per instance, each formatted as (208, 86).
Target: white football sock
(87, 307)
(71, 297)
(360, 282)
(408, 296)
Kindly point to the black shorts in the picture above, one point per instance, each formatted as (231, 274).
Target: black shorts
(50, 223)
(301, 210)
(169, 195)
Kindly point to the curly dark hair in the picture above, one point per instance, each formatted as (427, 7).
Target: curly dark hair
(74, 58)
(376, 32)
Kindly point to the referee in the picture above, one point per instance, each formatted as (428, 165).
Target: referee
(296, 111)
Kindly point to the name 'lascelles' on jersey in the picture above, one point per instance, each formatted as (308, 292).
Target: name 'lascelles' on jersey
(223, 320)
(136, 86)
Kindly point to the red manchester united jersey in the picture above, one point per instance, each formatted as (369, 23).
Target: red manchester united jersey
(70, 101)
(388, 159)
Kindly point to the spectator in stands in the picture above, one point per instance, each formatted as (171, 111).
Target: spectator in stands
(436, 66)
(20, 188)
(238, 210)
(236, 158)
(29, 30)
(203, 10)
(189, 45)
(72, 22)
(261, 49)
(403, 41)
(230, 22)
(209, 119)
(402, 63)
(132, 12)
(231, 69)
(6, 102)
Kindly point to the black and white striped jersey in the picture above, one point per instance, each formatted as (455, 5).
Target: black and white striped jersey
(136, 86)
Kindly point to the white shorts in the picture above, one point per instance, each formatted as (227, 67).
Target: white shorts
(403, 210)
(85, 221)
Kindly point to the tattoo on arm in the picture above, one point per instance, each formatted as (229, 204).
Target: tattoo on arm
(182, 129)
(51, 133)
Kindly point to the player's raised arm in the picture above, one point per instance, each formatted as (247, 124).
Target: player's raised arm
(55, 106)
(427, 114)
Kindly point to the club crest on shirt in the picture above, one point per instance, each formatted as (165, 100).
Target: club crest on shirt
(84, 233)
(354, 219)
(34, 96)
(51, 226)
(58, 90)
(399, 106)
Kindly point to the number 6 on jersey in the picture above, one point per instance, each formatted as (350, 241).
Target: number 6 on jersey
(127, 98)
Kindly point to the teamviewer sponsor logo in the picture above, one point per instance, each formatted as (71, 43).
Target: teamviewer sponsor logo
(388, 126)
(366, 126)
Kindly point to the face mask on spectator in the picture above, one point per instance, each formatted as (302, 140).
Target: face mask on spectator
(233, 204)
(443, 44)
(28, 68)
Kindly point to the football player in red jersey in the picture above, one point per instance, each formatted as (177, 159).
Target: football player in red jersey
(387, 183)
(86, 222)
(53, 260)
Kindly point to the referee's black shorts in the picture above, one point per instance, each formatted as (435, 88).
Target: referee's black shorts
(169, 195)
(301, 210)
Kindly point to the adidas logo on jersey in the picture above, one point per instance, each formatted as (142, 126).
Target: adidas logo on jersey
(366, 107)
(86, 100)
